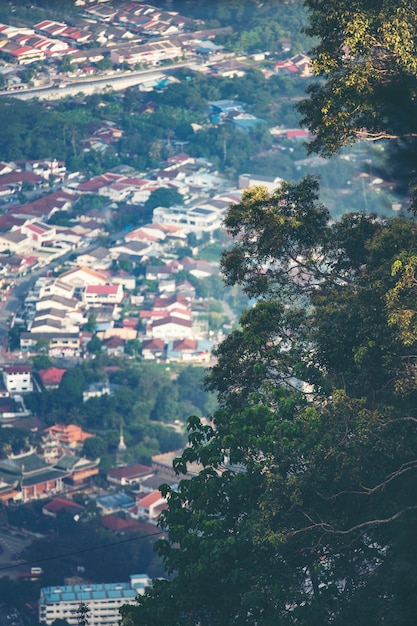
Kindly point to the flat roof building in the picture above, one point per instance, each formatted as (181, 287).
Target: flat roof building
(102, 599)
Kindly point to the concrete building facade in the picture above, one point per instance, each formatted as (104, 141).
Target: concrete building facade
(102, 599)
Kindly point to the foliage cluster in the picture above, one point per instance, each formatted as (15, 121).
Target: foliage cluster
(304, 510)
(144, 398)
(34, 130)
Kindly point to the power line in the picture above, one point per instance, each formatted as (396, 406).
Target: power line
(59, 556)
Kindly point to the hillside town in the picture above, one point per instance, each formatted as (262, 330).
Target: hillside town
(108, 269)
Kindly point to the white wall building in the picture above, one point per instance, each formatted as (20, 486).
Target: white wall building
(17, 379)
(103, 600)
(197, 219)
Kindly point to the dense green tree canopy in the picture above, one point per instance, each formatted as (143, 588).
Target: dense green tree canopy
(307, 481)
(304, 509)
(366, 59)
(367, 54)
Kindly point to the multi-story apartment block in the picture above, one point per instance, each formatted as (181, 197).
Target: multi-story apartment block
(103, 600)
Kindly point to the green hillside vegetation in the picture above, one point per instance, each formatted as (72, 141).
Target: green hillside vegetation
(145, 398)
(304, 511)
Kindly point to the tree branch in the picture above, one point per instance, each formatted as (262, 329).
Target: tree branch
(330, 529)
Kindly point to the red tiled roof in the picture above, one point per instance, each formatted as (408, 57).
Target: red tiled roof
(118, 524)
(131, 471)
(153, 344)
(16, 369)
(102, 289)
(58, 504)
(185, 344)
(149, 499)
(51, 375)
(172, 320)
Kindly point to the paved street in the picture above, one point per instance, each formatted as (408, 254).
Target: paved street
(11, 546)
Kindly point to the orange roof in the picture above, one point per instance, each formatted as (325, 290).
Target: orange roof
(69, 433)
(150, 499)
(51, 376)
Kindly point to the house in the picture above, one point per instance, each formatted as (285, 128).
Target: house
(111, 503)
(134, 250)
(114, 346)
(98, 259)
(247, 122)
(185, 289)
(174, 302)
(189, 350)
(122, 333)
(153, 349)
(55, 288)
(124, 279)
(148, 506)
(57, 302)
(196, 219)
(171, 328)
(17, 379)
(129, 475)
(224, 107)
(103, 294)
(51, 325)
(96, 390)
(59, 344)
(200, 268)
(160, 272)
(121, 526)
(51, 377)
(251, 180)
(80, 277)
(44, 207)
(51, 313)
(38, 232)
(56, 505)
(15, 242)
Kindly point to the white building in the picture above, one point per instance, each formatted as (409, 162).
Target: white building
(103, 600)
(103, 294)
(254, 180)
(17, 378)
(197, 219)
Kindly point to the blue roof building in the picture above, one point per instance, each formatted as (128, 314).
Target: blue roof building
(102, 599)
(227, 106)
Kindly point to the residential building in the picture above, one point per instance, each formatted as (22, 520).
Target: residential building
(171, 328)
(59, 344)
(56, 505)
(153, 349)
(80, 277)
(253, 180)
(189, 350)
(197, 219)
(17, 378)
(103, 294)
(103, 600)
(129, 475)
(148, 507)
(51, 377)
(14, 242)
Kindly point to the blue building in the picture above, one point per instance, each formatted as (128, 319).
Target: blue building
(224, 107)
(103, 600)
